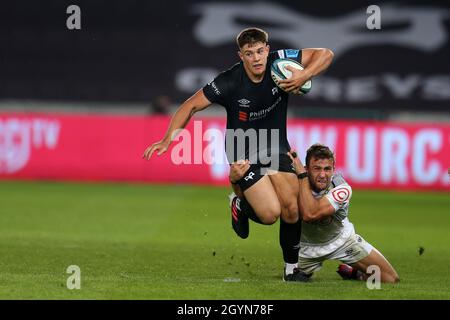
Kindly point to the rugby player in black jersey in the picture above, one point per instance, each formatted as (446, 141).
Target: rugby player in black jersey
(256, 107)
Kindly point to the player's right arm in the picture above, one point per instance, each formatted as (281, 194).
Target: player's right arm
(312, 208)
(179, 120)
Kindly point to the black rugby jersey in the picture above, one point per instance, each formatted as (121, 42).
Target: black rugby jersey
(252, 105)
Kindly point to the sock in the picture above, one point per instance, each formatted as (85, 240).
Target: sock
(289, 267)
(244, 207)
(290, 240)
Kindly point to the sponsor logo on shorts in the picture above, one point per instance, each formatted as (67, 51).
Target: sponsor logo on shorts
(249, 176)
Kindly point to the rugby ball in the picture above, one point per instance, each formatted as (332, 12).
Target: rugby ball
(279, 72)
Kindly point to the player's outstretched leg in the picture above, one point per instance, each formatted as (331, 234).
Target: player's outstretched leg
(289, 242)
(357, 255)
(286, 186)
(388, 273)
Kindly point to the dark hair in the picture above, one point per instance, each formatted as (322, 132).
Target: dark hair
(251, 36)
(319, 151)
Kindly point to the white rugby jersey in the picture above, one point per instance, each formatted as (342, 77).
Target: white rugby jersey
(327, 231)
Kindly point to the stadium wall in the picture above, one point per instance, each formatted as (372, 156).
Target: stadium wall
(371, 154)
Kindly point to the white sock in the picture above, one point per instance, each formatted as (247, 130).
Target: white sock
(290, 267)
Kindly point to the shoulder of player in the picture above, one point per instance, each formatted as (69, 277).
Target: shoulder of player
(231, 75)
(234, 70)
(221, 86)
(339, 190)
(338, 180)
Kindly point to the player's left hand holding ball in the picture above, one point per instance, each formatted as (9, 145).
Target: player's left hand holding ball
(296, 81)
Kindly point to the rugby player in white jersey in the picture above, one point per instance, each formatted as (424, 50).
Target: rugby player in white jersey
(327, 233)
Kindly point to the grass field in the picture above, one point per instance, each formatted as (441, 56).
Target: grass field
(176, 242)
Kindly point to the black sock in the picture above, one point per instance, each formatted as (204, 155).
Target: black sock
(247, 209)
(290, 240)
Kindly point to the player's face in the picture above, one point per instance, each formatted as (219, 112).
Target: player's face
(320, 172)
(254, 56)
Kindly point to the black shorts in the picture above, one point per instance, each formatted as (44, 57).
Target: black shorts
(257, 171)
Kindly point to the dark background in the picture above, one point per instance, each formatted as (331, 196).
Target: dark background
(133, 51)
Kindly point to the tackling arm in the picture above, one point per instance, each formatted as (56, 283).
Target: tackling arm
(313, 209)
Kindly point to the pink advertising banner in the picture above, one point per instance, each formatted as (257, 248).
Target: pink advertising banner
(382, 155)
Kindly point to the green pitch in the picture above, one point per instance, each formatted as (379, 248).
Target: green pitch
(176, 242)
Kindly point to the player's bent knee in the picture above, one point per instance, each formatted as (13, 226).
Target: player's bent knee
(269, 220)
(290, 214)
(270, 215)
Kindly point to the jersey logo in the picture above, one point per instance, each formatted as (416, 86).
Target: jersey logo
(244, 103)
(274, 90)
(249, 176)
(215, 89)
(291, 53)
(341, 194)
(243, 116)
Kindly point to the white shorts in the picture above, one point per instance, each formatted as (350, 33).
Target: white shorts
(354, 249)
